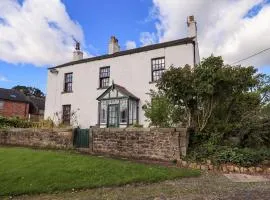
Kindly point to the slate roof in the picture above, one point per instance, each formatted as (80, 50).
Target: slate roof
(12, 95)
(130, 51)
(38, 102)
(121, 89)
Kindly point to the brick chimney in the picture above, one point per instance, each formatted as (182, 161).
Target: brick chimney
(113, 45)
(192, 26)
(77, 53)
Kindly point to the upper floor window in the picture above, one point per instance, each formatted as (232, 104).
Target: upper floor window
(68, 82)
(158, 67)
(66, 114)
(104, 77)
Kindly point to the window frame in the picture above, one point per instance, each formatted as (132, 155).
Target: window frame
(162, 69)
(104, 77)
(64, 119)
(67, 82)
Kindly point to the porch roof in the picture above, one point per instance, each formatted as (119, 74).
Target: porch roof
(119, 88)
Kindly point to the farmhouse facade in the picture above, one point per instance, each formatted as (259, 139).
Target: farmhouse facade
(110, 90)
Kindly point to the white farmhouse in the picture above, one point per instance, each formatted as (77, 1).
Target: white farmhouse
(110, 90)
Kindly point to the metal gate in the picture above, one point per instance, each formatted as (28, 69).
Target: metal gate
(81, 138)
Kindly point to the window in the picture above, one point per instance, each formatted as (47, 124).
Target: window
(104, 77)
(103, 112)
(123, 111)
(68, 82)
(158, 67)
(132, 112)
(1, 105)
(124, 116)
(66, 114)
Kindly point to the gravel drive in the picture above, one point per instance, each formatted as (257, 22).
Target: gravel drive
(208, 186)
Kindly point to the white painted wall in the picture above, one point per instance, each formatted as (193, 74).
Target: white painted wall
(130, 71)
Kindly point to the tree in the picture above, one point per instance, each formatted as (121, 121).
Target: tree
(29, 91)
(200, 90)
(159, 110)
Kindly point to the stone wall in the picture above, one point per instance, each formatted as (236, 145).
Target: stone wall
(150, 143)
(140, 143)
(51, 138)
(225, 168)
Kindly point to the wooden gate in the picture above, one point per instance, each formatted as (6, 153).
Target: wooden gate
(81, 138)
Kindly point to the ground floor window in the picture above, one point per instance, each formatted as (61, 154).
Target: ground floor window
(117, 107)
(116, 112)
(66, 114)
(132, 112)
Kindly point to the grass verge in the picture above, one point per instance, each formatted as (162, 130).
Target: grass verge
(29, 171)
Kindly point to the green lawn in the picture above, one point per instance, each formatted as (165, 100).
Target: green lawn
(28, 171)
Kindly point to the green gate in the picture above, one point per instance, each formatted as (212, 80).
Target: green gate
(81, 138)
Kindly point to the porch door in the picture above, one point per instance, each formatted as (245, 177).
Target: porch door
(113, 115)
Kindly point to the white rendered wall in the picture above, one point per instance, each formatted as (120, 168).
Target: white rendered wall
(130, 71)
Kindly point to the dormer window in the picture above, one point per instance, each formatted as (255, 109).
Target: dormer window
(104, 77)
(158, 68)
(68, 82)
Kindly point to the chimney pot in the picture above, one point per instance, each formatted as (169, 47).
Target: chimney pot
(192, 26)
(77, 53)
(191, 18)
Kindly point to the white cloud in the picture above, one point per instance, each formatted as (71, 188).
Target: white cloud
(147, 38)
(3, 78)
(130, 44)
(222, 27)
(37, 32)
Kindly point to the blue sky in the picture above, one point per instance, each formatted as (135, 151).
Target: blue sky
(140, 21)
(99, 19)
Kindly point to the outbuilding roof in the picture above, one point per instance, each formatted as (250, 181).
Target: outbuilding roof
(38, 102)
(12, 95)
(130, 51)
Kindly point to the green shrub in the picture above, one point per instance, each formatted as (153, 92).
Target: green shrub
(158, 110)
(255, 133)
(243, 157)
(226, 154)
(14, 123)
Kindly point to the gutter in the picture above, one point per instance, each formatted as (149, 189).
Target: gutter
(194, 53)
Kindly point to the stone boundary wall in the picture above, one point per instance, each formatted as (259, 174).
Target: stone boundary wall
(47, 138)
(140, 143)
(224, 168)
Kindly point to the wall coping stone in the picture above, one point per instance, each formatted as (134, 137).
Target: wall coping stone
(115, 130)
(163, 130)
(37, 129)
(137, 129)
(181, 129)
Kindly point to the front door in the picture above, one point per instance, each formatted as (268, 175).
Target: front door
(113, 115)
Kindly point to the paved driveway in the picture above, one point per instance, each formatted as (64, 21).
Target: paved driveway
(209, 186)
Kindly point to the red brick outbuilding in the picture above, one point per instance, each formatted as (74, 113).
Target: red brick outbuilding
(13, 103)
